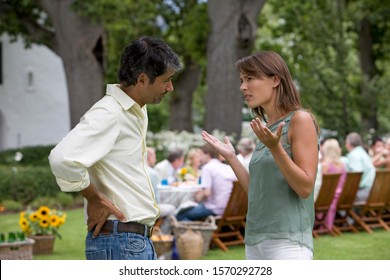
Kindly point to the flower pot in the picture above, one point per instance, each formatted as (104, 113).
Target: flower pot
(44, 244)
(19, 250)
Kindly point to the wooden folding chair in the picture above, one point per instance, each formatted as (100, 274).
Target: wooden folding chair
(368, 215)
(345, 203)
(232, 221)
(323, 203)
(386, 214)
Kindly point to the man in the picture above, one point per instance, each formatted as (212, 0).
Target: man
(104, 156)
(167, 168)
(358, 160)
(217, 183)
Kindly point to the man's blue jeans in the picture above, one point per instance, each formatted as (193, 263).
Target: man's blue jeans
(119, 246)
(195, 213)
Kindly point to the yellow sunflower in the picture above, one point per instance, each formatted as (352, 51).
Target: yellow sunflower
(44, 222)
(34, 216)
(44, 211)
(24, 225)
(54, 221)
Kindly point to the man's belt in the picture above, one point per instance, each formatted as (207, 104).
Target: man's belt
(132, 227)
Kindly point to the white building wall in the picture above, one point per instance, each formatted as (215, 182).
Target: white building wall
(34, 107)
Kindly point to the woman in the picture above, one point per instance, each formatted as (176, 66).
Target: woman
(193, 165)
(283, 167)
(331, 163)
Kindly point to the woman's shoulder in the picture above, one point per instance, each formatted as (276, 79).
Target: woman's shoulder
(302, 118)
(302, 115)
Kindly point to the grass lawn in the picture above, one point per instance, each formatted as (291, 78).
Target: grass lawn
(349, 246)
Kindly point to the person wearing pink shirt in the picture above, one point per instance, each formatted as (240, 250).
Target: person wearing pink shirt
(217, 183)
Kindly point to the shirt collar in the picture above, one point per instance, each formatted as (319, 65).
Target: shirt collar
(123, 99)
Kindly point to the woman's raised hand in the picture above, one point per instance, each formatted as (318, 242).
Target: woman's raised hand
(225, 148)
(267, 137)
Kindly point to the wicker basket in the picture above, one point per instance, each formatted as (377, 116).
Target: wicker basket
(162, 243)
(20, 250)
(206, 228)
(190, 245)
(44, 244)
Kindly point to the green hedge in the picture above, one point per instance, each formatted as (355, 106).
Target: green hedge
(25, 183)
(28, 177)
(29, 181)
(37, 156)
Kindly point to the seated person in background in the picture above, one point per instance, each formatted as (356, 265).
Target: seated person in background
(360, 161)
(217, 182)
(165, 209)
(379, 154)
(245, 148)
(331, 163)
(193, 165)
(167, 168)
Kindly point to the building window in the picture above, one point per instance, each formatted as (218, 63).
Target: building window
(30, 80)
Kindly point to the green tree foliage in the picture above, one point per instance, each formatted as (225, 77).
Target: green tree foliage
(319, 39)
(10, 13)
(322, 42)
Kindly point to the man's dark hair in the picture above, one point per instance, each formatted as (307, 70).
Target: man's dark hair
(148, 55)
(174, 154)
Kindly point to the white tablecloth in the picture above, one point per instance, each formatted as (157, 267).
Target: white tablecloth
(181, 196)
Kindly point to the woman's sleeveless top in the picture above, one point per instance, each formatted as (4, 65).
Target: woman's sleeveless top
(275, 211)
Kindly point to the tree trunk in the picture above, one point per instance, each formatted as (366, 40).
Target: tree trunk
(341, 66)
(81, 45)
(233, 31)
(369, 97)
(181, 102)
